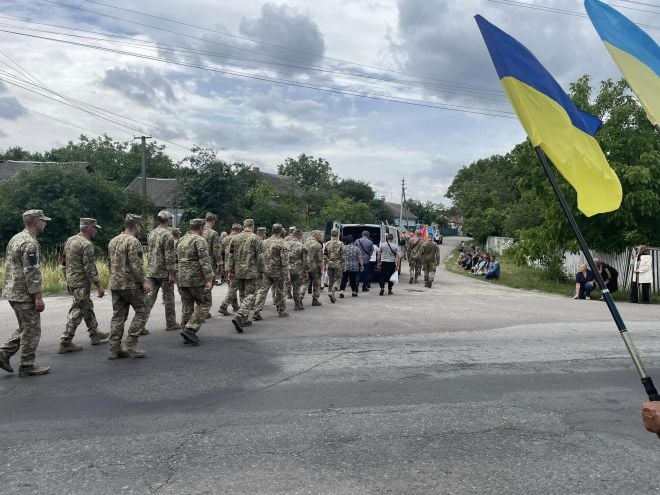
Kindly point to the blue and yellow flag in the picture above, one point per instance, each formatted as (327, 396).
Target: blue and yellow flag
(552, 122)
(634, 51)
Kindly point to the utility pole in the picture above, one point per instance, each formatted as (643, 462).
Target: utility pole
(144, 163)
(403, 199)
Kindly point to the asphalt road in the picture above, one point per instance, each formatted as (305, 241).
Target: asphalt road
(465, 388)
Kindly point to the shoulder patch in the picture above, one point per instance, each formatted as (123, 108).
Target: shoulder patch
(140, 254)
(33, 259)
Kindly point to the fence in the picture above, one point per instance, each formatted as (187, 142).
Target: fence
(620, 261)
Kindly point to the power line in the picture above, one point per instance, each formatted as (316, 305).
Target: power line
(373, 96)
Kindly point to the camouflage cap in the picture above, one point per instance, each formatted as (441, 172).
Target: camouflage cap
(261, 229)
(84, 222)
(236, 226)
(132, 218)
(176, 231)
(35, 215)
(291, 229)
(165, 215)
(197, 222)
(276, 225)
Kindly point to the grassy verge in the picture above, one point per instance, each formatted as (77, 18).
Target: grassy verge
(531, 278)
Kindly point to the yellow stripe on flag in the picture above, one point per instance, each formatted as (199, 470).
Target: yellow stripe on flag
(575, 153)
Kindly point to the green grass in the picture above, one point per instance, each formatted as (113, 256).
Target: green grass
(531, 278)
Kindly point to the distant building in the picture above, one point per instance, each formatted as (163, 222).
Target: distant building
(281, 184)
(10, 168)
(408, 218)
(163, 193)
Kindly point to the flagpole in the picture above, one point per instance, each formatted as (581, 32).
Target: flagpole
(647, 381)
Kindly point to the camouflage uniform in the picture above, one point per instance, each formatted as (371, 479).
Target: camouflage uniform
(214, 244)
(246, 263)
(275, 267)
(126, 279)
(195, 268)
(22, 282)
(430, 256)
(315, 266)
(230, 297)
(80, 273)
(334, 257)
(414, 258)
(298, 267)
(161, 261)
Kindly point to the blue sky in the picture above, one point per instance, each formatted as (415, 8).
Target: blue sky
(431, 47)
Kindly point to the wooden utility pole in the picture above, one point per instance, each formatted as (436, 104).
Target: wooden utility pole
(144, 163)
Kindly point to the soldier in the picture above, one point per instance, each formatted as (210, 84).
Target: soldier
(79, 268)
(128, 286)
(176, 233)
(314, 247)
(246, 268)
(298, 267)
(430, 257)
(161, 268)
(334, 258)
(23, 288)
(261, 233)
(287, 280)
(195, 280)
(212, 239)
(414, 258)
(230, 297)
(275, 268)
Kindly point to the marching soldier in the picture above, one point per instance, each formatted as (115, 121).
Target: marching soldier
(414, 258)
(23, 288)
(275, 270)
(287, 280)
(314, 247)
(80, 273)
(128, 286)
(430, 257)
(195, 280)
(230, 297)
(261, 233)
(334, 257)
(214, 244)
(161, 268)
(298, 267)
(246, 268)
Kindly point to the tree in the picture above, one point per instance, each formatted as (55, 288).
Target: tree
(266, 207)
(346, 211)
(312, 174)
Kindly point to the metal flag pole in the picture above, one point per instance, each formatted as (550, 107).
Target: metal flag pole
(647, 381)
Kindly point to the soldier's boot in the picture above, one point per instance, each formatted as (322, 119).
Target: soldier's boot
(117, 352)
(144, 331)
(316, 302)
(4, 363)
(283, 314)
(98, 337)
(257, 316)
(332, 298)
(299, 307)
(134, 351)
(430, 285)
(411, 280)
(189, 337)
(238, 324)
(223, 311)
(208, 315)
(173, 326)
(33, 370)
(68, 346)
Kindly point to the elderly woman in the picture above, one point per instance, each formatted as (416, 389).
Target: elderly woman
(642, 275)
(584, 282)
(354, 265)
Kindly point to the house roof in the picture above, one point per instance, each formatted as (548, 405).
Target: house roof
(163, 193)
(395, 208)
(281, 184)
(10, 168)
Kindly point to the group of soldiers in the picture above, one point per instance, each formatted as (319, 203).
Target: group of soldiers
(423, 256)
(252, 264)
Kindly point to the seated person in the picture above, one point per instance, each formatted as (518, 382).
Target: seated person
(584, 282)
(610, 275)
(493, 271)
(467, 264)
(480, 269)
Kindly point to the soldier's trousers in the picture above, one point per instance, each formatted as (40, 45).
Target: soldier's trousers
(429, 270)
(195, 305)
(315, 280)
(168, 299)
(247, 288)
(82, 308)
(415, 269)
(122, 301)
(287, 287)
(277, 284)
(334, 278)
(230, 297)
(296, 286)
(27, 336)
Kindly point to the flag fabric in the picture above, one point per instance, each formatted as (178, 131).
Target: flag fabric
(552, 122)
(634, 51)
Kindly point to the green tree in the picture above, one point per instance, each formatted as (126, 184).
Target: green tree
(312, 174)
(266, 207)
(346, 211)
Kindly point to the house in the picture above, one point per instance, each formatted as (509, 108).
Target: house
(163, 193)
(10, 168)
(408, 219)
(282, 184)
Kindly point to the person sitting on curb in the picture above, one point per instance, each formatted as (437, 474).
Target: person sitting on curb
(584, 282)
(493, 271)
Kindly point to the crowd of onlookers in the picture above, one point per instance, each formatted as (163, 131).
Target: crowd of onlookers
(479, 264)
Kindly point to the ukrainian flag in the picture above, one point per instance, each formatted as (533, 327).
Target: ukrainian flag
(634, 51)
(552, 122)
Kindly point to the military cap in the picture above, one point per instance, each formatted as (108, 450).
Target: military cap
(133, 218)
(35, 215)
(291, 229)
(261, 229)
(236, 226)
(275, 225)
(84, 222)
(176, 230)
(197, 222)
(164, 214)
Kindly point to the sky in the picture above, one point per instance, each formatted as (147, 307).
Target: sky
(264, 81)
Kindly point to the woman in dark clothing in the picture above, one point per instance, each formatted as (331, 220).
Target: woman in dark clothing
(354, 265)
(387, 262)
